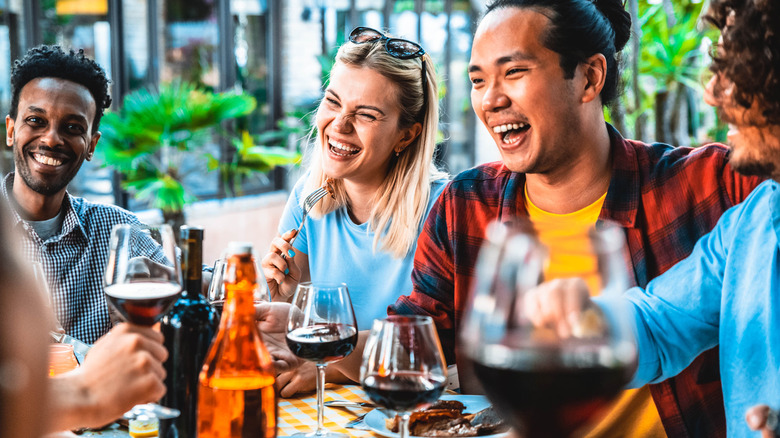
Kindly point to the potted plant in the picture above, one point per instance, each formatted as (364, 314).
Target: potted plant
(158, 137)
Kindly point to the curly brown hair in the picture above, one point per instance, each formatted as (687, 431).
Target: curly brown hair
(749, 55)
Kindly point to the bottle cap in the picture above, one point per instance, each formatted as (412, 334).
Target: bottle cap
(239, 248)
(188, 232)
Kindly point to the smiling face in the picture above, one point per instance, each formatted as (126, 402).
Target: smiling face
(754, 143)
(520, 94)
(51, 135)
(358, 127)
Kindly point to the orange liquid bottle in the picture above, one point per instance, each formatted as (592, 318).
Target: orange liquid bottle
(237, 397)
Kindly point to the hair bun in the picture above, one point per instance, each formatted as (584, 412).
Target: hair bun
(619, 18)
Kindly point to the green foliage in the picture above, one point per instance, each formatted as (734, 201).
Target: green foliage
(157, 131)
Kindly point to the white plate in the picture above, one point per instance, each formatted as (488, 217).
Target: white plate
(375, 419)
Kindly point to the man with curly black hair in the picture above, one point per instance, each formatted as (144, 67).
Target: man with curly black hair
(726, 292)
(52, 126)
(58, 98)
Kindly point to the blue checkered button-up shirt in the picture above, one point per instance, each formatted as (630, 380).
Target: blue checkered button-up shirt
(74, 260)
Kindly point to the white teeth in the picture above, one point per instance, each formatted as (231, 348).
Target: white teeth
(341, 149)
(46, 160)
(508, 127)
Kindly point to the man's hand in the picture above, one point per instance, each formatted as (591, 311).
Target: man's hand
(762, 418)
(564, 306)
(272, 322)
(123, 368)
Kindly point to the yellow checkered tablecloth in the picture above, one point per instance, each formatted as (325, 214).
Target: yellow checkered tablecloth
(300, 414)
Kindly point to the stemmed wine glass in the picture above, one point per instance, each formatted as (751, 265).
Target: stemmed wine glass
(544, 381)
(142, 281)
(403, 365)
(216, 294)
(321, 328)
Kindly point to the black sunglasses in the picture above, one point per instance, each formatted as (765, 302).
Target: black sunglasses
(395, 47)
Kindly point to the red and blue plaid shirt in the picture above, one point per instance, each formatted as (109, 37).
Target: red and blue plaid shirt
(665, 198)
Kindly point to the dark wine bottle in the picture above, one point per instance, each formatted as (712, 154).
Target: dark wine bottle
(189, 328)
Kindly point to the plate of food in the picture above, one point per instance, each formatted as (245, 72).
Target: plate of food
(452, 415)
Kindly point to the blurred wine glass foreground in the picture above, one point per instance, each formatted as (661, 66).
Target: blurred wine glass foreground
(545, 382)
(403, 366)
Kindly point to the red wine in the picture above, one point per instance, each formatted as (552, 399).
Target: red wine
(554, 401)
(322, 342)
(142, 303)
(403, 391)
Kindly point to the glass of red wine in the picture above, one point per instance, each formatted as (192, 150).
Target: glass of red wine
(142, 281)
(321, 328)
(548, 382)
(403, 366)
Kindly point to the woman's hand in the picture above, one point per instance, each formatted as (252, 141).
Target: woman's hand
(281, 273)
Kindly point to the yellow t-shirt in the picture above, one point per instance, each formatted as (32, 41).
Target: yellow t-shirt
(633, 414)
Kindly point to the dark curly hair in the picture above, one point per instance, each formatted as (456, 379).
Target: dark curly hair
(749, 56)
(52, 62)
(579, 29)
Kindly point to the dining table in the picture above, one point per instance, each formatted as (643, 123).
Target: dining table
(297, 414)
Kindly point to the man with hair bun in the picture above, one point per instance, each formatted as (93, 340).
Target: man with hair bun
(726, 292)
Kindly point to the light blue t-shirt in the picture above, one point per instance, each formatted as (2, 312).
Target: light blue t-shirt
(341, 251)
(727, 293)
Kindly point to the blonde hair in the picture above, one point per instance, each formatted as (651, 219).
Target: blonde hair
(401, 203)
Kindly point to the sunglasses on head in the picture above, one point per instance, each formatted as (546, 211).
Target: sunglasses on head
(395, 47)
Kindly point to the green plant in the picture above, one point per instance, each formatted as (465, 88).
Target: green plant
(158, 137)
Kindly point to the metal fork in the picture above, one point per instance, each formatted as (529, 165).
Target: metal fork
(313, 198)
(358, 423)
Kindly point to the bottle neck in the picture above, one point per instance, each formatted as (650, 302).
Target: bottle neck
(191, 262)
(240, 285)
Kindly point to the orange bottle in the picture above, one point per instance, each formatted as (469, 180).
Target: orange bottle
(237, 397)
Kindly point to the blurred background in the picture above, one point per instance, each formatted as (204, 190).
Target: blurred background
(162, 153)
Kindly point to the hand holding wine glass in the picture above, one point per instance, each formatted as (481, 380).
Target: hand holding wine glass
(546, 355)
(321, 328)
(142, 281)
(403, 365)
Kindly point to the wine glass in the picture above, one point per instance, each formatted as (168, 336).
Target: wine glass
(403, 365)
(142, 281)
(216, 294)
(321, 328)
(545, 382)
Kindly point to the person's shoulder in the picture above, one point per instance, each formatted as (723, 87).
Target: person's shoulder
(663, 155)
(487, 172)
(97, 213)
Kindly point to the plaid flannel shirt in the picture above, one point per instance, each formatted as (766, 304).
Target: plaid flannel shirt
(665, 198)
(74, 260)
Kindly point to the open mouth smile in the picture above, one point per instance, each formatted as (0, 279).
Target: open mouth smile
(512, 132)
(341, 149)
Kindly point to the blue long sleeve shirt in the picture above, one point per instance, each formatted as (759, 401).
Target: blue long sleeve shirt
(725, 292)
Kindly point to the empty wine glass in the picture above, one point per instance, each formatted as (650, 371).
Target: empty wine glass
(142, 281)
(321, 328)
(216, 294)
(403, 366)
(547, 383)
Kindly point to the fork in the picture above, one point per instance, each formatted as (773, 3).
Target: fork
(313, 198)
(358, 423)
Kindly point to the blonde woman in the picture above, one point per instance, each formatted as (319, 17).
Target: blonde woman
(376, 131)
